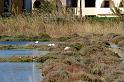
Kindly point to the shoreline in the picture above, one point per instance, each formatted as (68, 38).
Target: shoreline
(21, 59)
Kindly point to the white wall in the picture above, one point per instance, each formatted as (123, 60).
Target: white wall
(97, 10)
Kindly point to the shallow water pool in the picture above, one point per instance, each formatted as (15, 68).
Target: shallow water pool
(21, 52)
(19, 72)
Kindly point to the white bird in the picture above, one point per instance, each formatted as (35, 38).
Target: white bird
(53, 45)
(50, 45)
(67, 48)
(36, 42)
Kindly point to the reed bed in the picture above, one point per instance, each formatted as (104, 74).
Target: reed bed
(56, 27)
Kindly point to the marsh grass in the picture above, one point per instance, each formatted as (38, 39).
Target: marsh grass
(56, 26)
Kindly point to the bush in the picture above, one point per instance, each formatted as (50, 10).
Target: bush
(46, 7)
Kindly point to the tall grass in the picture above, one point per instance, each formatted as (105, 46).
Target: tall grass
(56, 27)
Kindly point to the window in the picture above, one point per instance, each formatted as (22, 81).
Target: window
(74, 3)
(71, 3)
(105, 4)
(90, 3)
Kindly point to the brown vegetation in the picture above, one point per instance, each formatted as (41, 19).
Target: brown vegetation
(93, 62)
(37, 25)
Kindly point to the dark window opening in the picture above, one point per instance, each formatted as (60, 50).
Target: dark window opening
(37, 4)
(74, 3)
(71, 3)
(90, 3)
(105, 4)
(121, 4)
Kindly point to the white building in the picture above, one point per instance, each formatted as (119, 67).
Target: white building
(93, 7)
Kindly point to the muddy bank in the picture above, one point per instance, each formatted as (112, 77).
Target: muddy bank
(88, 59)
(21, 59)
(43, 47)
(7, 47)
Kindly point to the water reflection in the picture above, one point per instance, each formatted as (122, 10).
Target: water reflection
(18, 72)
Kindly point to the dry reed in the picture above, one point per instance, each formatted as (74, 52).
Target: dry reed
(34, 26)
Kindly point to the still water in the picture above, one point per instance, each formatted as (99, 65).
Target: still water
(21, 43)
(21, 52)
(19, 72)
